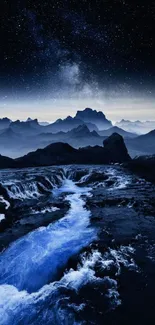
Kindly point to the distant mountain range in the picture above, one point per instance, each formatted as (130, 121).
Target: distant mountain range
(87, 128)
(4, 123)
(143, 144)
(144, 166)
(125, 134)
(80, 136)
(136, 126)
(16, 142)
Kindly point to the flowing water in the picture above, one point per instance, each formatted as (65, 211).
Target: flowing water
(60, 262)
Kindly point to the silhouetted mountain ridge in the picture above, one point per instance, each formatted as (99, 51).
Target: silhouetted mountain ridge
(143, 144)
(118, 130)
(114, 150)
(4, 123)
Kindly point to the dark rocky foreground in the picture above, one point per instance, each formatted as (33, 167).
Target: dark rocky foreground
(126, 218)
(144, 166)
(96, 266)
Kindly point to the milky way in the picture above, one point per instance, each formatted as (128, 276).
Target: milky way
(58, 50)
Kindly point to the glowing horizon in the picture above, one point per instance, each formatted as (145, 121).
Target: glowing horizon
(49, 110)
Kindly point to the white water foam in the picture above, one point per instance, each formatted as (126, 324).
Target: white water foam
(48, 305)
(7, 204)
(34, 260)
(2, 216)
(120, 181)
(45, 210)
(29, 185)
(23, 191)
(46, 250)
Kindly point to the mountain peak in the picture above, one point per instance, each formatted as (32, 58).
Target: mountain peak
(4, 123)
(93, 111)
(31, 121)
(82, 130)
(5, 119)
(88, 115)
(69, 118)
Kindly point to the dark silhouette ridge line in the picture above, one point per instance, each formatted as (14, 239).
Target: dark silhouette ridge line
(59, 153)
(113, 151)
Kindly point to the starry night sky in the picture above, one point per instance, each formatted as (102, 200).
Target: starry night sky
(76, 50)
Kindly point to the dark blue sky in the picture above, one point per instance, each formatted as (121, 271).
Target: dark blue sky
(69, 49)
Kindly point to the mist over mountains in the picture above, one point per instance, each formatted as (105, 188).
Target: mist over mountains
(137, 126)
(87, 128)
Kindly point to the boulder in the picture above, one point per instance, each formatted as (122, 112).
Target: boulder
(116, 148)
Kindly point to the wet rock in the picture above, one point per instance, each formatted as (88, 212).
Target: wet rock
(77, 175)
(2, 207)
(95, 177)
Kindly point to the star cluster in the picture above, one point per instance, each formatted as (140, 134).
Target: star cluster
(71, 44)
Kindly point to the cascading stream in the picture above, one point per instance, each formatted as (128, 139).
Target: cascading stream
(35, 287)
(33, 261)
(30, 184)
